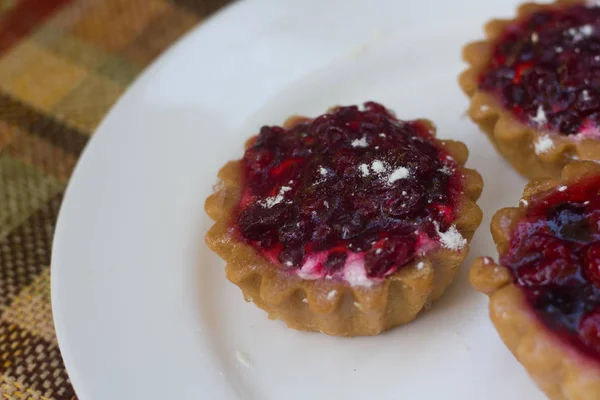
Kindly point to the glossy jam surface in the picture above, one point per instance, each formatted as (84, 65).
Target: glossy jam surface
(545, 68)
(554, 255)
(353, 194)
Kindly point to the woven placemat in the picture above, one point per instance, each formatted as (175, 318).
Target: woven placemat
(63, 63)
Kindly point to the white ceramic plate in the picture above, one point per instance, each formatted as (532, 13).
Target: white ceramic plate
(142, 307)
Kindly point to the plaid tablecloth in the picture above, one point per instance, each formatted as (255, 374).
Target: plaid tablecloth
(63, 63)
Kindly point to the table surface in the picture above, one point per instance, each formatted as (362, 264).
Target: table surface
(63, 63)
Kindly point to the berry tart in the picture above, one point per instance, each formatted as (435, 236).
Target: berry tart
(349, 224)
(545, 291)
(534, 85)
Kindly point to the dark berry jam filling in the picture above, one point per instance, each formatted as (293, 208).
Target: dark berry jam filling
(554, 254)
(351, 192)
(545, 68)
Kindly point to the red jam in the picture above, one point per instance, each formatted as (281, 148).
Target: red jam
(554, 255)
(545, 68)
(349, 183)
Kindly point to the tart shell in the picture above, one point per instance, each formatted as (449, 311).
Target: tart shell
(514, 140)
(562, 372)
(327, 305)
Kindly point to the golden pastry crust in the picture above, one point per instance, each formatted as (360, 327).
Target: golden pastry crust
(330, 306)
(558, 369)
(514, 140)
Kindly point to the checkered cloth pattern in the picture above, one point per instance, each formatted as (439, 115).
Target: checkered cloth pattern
(63, 63)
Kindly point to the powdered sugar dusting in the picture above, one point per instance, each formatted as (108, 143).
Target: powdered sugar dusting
(364, 169)
(378, 167)
(451, 239)
(540, 117)
(271, 201)
(581, 32)
(543, 144)
(362, 142)
(331, 294)
(446, 170)
(399, 173)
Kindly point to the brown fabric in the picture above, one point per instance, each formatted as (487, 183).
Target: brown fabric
(63, 63)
